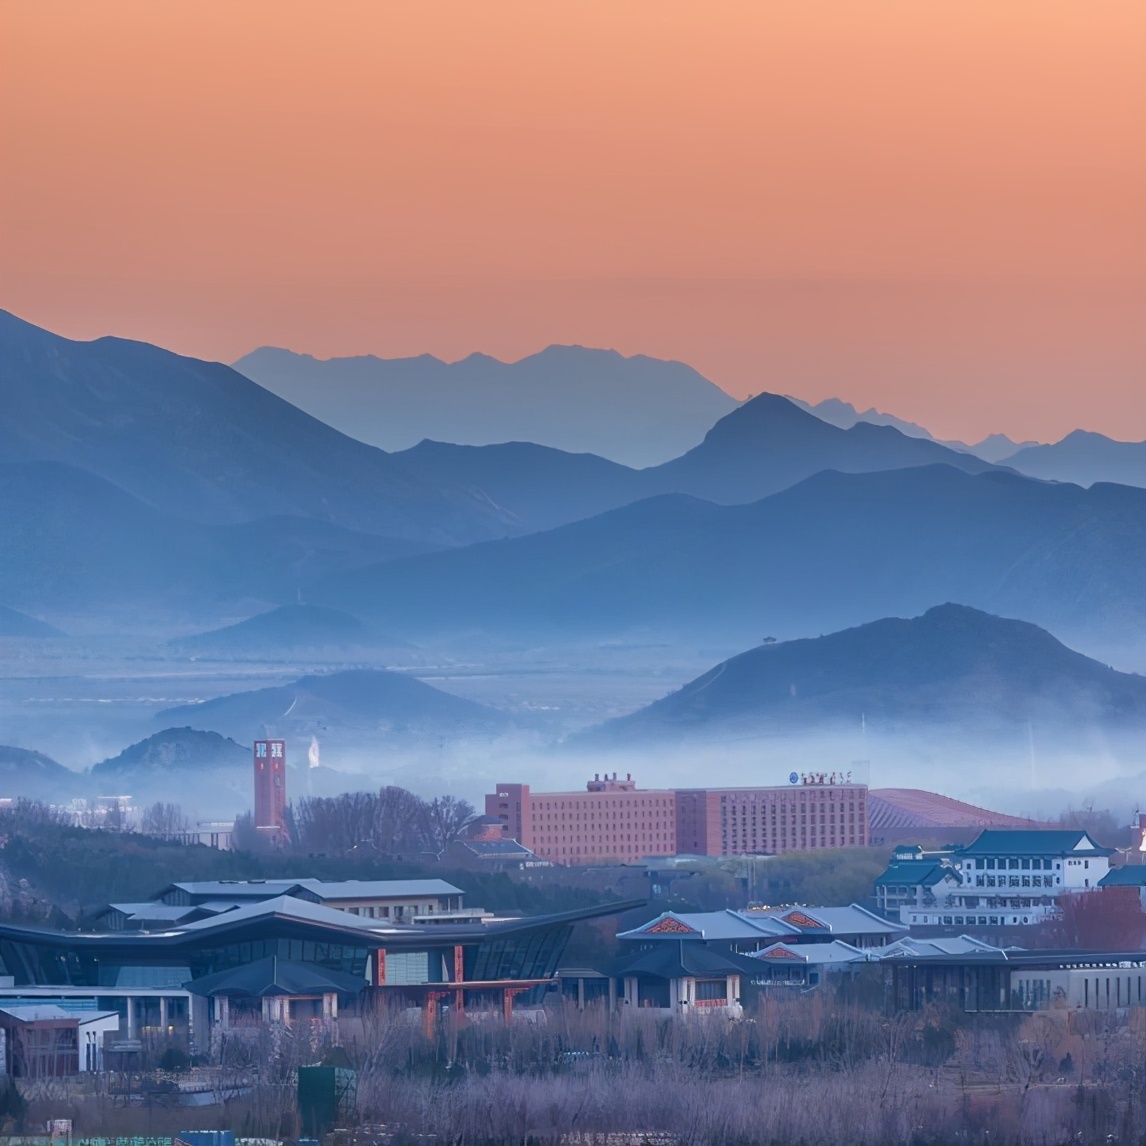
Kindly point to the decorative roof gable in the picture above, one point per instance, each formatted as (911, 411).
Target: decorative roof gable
(779, 951)
(803, 921)
(670, 925)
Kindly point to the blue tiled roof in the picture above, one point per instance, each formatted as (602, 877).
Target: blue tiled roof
(1036, 841)
(1133, 875)
(918, 873)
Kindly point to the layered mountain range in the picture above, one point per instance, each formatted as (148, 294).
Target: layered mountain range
(136, 483)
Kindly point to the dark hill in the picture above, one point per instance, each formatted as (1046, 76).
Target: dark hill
(836, 550)
(287, 627)
(201, 441)
(24, 772)
(181, 752)
(360, 699)
(953, 666)
(534, 486)
(74, 543)
(17, 624)
(769, 444)
(760, 448)
(636, 410)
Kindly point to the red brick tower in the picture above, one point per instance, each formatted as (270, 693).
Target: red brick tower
(270, 785)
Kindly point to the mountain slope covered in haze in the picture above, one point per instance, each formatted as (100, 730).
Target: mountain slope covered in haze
(360, 699)
(836, 550)
(764, 446)
(1084, 458)
(76, 545)
(35, 776)
(638, 410)
(16, 624)
(993, 448)
(769, 444)
(954, 666)
(178, 752)
(201, 441)
(287, 627)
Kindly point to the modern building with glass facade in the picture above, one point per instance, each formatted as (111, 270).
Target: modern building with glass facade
(280, 959)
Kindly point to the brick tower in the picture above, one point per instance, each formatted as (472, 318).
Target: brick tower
(270, 785)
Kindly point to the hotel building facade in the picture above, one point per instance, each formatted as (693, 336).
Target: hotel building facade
(614, 821)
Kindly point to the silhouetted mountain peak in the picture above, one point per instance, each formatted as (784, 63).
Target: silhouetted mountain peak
(765, 417)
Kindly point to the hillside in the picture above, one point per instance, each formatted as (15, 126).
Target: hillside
(138, 558)
(769, 444)
(16, 624)
(534, 486)
(178, 752)
(386, 703)
(287, 627)
(34, 775)
(953, 666)
(201, 441)
(762, 447)
(834, 551)
(638, 410)
(1084, 458)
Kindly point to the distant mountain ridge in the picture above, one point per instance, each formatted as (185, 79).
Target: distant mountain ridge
(835, 550)
(140, 560)
(1084, 458)
(636, 410)
(202, 442)
(285, 628)
(993, 448)
(385, 702)
(953, 666)
(766, 445)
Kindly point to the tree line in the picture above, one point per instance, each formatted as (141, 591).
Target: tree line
(392, 823)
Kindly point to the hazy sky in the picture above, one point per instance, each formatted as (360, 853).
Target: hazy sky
(935, 208)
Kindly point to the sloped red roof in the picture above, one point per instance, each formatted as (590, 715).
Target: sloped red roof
(893, 808)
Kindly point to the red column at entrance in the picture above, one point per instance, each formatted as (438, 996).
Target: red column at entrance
(507, 996)
(459, 976)
(430, 1012)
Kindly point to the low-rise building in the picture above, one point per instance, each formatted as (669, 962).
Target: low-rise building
(1004, 878)
(916, 879)
(394, 899)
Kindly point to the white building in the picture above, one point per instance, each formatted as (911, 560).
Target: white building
(1009, 878)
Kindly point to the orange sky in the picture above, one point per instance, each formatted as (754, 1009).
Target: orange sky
(937, 208)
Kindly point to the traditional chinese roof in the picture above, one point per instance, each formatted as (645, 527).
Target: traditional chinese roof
(1132, 875)
(684, 961)
(776, 922)
(817, 953)
(922, 948)
(1057, 842)
(917, 873)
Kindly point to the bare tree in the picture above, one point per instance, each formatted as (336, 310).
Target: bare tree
(164, 820)
(445, 817)
(399, 822)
